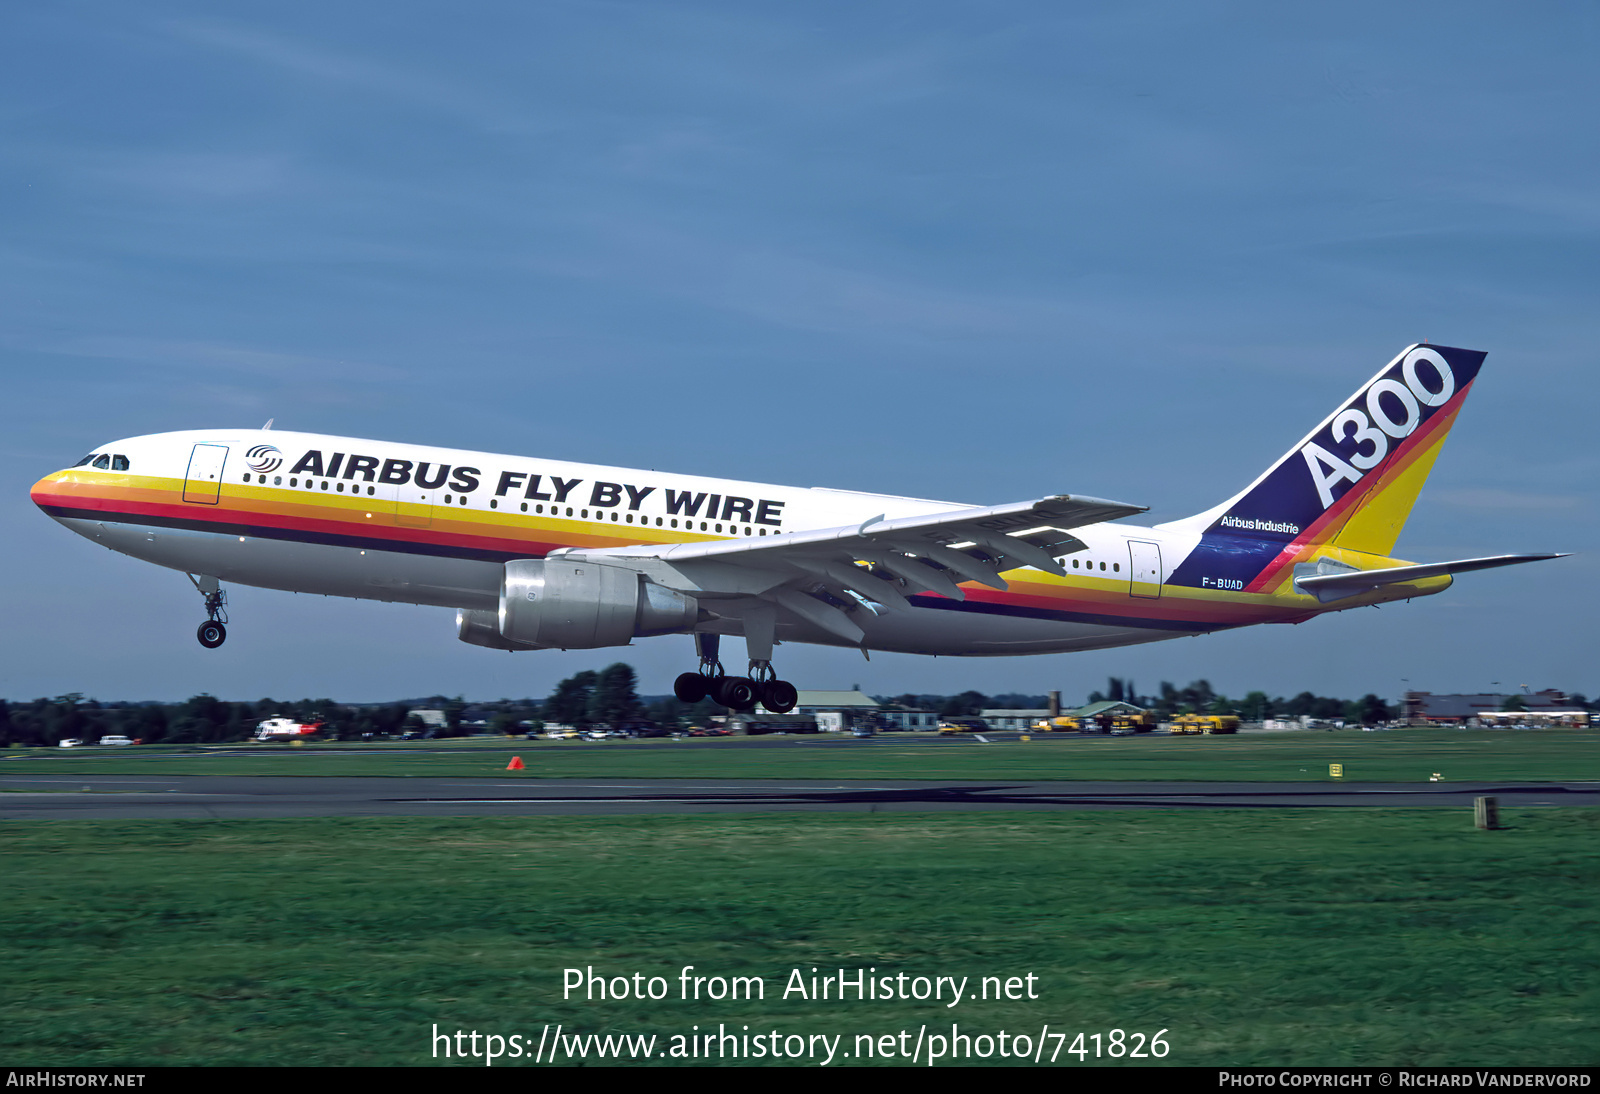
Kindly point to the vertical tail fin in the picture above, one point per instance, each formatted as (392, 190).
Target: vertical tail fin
(1352, 481)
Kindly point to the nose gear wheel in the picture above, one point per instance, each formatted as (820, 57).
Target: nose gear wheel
(214, 631)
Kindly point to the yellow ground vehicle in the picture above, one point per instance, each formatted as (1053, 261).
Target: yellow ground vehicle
(949, 726)
(1206, 723)
(1063, 724)
(1143, 722)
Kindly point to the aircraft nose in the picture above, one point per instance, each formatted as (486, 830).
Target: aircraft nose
(44, 491)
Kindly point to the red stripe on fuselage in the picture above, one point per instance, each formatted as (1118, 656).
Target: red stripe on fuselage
(1112, 603)
(231, 512)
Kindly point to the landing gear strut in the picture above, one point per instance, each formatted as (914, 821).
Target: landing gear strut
(778, 696)
(214, 631)
(739, 693)
(691, 687)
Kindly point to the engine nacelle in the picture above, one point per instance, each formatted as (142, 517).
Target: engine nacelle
(483, 629)
(575, 605)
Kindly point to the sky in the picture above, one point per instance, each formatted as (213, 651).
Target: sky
(980, 252)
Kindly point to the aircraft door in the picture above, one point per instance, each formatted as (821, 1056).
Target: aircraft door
(203, 481)
(414, 506)
(1144, 569)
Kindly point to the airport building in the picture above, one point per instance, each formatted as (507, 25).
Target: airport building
(1548, 707)
(756, 723)
(836, 711)
(1013, 719)
(1108, 707)
(895, 716)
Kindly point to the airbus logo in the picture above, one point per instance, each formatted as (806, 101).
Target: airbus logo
(263, 459)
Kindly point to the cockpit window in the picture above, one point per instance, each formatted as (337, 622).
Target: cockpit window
(85, 460)
(102, 462)
(119, 463)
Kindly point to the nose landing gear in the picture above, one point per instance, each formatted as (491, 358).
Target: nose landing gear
(214, 631)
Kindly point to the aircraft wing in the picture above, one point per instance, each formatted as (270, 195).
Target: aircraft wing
(1334, 586)
(821, 574)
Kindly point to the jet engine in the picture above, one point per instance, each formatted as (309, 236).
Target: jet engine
(483, 629)
(574, 605)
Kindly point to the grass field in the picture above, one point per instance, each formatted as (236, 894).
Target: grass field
(1251, 937)
(1397, 756)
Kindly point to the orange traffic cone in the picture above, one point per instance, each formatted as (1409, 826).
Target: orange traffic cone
(516, 764)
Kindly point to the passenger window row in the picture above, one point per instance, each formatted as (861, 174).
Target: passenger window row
(628, 518)
(277, 480)
(555, 510)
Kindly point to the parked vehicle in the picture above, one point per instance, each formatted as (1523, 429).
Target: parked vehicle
(963, 725)
(1205, 723)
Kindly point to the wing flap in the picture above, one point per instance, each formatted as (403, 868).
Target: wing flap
(932, 552)
(993, 524)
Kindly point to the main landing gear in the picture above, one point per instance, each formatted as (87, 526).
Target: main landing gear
(214, 631)
(734, 692)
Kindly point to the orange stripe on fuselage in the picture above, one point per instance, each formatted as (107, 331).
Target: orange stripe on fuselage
(325, 515)
(1102, 597)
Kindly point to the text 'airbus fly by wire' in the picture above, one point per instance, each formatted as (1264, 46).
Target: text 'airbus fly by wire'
(542, 554)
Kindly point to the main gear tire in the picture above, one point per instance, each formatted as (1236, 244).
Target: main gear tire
(736, 693)
(691, 687)
(779, 696)
(211, 634)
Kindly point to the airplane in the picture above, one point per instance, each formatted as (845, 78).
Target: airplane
(543, 554)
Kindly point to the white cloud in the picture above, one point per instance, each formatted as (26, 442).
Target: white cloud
(202, 174)
(1506, 499)
(318, 63)
(220, 357)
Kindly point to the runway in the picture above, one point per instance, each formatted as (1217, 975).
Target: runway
(128, 797)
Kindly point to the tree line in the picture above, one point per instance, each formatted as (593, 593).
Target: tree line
(1199, 697)
(608, 697)
(1256, 706)
(202, 719)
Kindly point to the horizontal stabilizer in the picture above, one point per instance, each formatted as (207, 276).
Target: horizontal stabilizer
(1335, 586)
